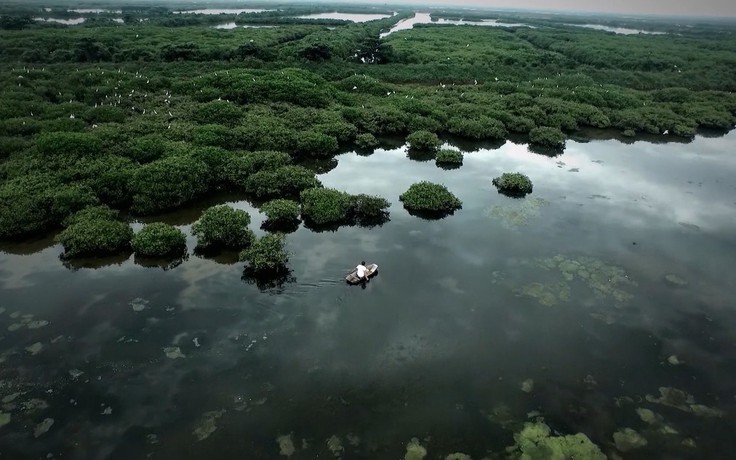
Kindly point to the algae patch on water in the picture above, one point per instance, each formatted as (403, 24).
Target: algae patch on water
(335, 445)
(207, 424)
(43, 427)
(286, 445)
(679, 399)
(517, 213)
(534, 441)
(4, 418)
(173, 352)
(414, 450)
(628, 439)
(604, 281)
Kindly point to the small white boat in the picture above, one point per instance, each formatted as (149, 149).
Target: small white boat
(352, 277)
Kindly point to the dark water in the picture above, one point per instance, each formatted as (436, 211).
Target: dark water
(613, 279)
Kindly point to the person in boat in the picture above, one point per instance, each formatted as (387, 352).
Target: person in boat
(362, 271)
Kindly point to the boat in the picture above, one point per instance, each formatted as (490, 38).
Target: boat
(352, 277)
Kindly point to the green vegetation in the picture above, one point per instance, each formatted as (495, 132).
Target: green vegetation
(535, 441)
(280, 213)
(366, 141)
(322, 206)
(513, 184)
(94, 232)
(148, 116)
(430, 199)
(223, 227)
(159, 240)
(267, 255)
(423, 141)
(283, 181)
(447, 157)
(544, 136)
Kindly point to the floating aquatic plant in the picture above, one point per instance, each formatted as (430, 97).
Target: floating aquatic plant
(427, 197)
(628, 439)
(207, 424)
(414, 450)
(517, 213)
(534, 442)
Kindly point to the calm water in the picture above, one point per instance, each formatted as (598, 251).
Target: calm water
(425, 18)
(95, 11)
(613, 279)
(232, 25)
(69, 22)
(222, 11)
(354, 17)
(618, 30)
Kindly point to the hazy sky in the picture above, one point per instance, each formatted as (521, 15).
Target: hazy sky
(665, 7)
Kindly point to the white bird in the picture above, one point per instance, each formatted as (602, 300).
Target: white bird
(94, 126)
(475, 82)
(354, 88)
(170, 114)
(666, 131)
(71, 116)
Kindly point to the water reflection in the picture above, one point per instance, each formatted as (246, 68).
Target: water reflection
(222, 11)
(618, 30)
(354, 17)
(426, 18)
(68, 22)
(476, 321)
(232, 25)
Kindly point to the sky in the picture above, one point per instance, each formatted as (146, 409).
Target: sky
(660, 7)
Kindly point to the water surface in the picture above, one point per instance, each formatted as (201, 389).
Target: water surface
(426, 18)
(222, 11)
(569, 304)
(618, 30)
(354, 17)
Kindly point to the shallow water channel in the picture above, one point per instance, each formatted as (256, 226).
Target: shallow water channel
(613, 279)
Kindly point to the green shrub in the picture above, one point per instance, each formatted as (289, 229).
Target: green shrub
(267, 255)
(426, 197)
(284, 181)
(280, 212)
(93, 233)
(223, 227)
(325, 205)
(168, 183)
(368, 210)
(366, 141)
(423, 141)
(69, 144)
(159, 240)
(449, 157)
(90, 213)
(239, 167)
(34, 203)
(514, 184)
(547, 137)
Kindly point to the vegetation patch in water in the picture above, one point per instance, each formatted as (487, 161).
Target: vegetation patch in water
(280, 214)
(285, 181)
(94, 232)
(513, 184)
(223, 227)
(546, 294)
(267, 255)
(286, 445)
(159, 240)
(427, 197)
(449, 157)
(548, 137)
(534, 441)
(366, 141)
(322, 206)
(423, 141)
